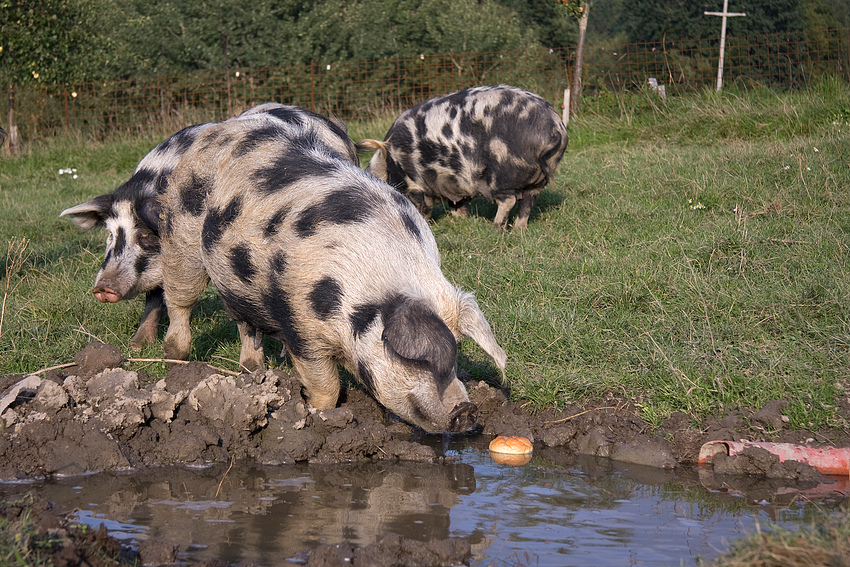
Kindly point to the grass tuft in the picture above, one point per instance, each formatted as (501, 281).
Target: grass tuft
(825, 544)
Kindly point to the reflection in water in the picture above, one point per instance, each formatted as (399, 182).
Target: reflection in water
(557, 510)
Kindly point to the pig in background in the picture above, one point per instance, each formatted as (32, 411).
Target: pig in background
(304, 246)
(131, 213)
(500, 142)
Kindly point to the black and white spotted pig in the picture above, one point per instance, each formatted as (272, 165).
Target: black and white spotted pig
(304, 246)
(500, 142)
(130, 214)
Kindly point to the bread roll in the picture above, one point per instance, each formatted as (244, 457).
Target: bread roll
(511, 445)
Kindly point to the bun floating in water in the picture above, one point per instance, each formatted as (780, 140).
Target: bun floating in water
(511, 450)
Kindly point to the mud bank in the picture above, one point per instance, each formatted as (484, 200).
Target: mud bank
(96, 416)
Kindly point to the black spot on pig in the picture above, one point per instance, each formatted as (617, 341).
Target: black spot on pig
(120, 241)
(429, 152)
(279, 306)
(255, 138)
(289, 114)
(242, 263)
(362, 318)
(217, 222)
(180, 142)
(278, 263)
(141, 263)
(345, 206)
(302, 117)
(241, 308)
(137, 185)
(193, 195)
(411, 225)
(274, 224)
(395, 176)
(326, 297)
(366, 377)
(291, 166)
(215, 139)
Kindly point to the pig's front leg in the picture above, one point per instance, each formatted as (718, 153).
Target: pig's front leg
(251, 354)
(320, 378)
(178, 339)
(151, 317)
(505, 206)
(182, 290)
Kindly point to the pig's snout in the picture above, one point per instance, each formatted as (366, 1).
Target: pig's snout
(106, 295)
(463, 417)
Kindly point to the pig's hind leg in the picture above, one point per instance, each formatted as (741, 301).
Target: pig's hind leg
(526, 203)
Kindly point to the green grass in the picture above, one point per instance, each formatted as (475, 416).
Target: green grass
(20, 543)
(822, 544)
(690, 254)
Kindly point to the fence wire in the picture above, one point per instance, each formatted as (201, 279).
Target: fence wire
(369, 89)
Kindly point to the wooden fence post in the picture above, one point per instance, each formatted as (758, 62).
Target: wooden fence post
(13, 128)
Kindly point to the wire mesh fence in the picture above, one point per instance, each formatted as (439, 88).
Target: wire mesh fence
(369, 89)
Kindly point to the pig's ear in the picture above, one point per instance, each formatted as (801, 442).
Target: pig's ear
(415, 333)
(91, 213)
(149, 210)
(475, 326)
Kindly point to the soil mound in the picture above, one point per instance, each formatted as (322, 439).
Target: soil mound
(97, 416)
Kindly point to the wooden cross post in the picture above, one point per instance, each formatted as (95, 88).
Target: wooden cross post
(724, 14)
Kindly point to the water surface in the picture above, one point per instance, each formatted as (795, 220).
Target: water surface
(557, 510)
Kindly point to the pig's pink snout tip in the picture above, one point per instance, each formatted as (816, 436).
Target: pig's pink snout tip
(106, 295)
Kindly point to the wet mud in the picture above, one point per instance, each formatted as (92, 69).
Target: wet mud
(97, 416)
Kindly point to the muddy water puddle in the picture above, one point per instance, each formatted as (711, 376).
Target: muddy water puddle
(556, 510)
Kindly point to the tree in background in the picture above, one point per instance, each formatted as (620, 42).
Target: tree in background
(545, 19)
(51, 43)
(175, 36)
(179, 36)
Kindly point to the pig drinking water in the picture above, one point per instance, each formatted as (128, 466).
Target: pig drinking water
(130, 214)
(304, 246)
(500, 142)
